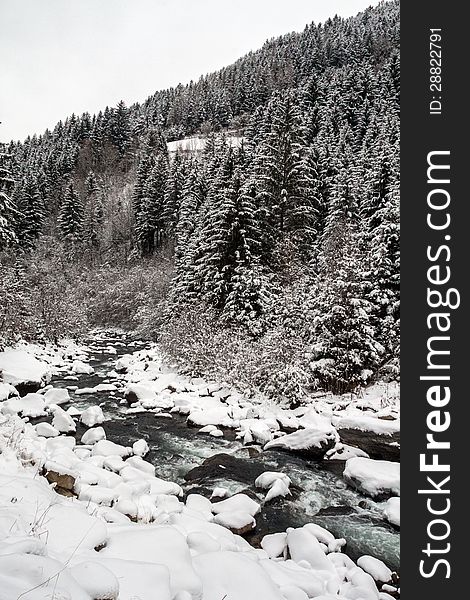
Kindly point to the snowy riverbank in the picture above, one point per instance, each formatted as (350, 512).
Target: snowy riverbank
(130, 533)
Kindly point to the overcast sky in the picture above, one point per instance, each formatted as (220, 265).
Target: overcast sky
(63, 56)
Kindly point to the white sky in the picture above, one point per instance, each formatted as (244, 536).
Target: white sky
(63, 56)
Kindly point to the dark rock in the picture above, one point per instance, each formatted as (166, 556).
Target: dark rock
(28, 387)
(62, 481)
(377, 446)
(226, 466)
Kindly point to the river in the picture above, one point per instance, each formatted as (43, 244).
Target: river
(319, 493)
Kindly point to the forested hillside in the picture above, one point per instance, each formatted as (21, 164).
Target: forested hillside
(269, 258)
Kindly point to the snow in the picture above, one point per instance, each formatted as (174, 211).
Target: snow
(140, 448)
(238, 503)
(197, 144)
(365, 423)
(62, 421)
(92, 416)
(19, 367)
(6, 391)
(57, 396)
(31, 405)
(373, 477)
(392, 511)
(81, 368)
(93, 435)
(236, 520)
(274, 544)
(46, 430)
(108, 448)
(304, 439)
(97, 580)
(161, 545)
(376, 568)
(176, 550)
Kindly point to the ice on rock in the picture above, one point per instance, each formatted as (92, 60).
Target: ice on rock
(57, 396)
(32, 405)
(375, 568)
(93, 415)
(93, 435)
(46, 430)
(81, 368)
(140, 448)
(208, 429)
(377, 478)
(97, 580)
(62, 421)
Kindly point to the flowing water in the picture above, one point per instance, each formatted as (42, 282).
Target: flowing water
(319, 494)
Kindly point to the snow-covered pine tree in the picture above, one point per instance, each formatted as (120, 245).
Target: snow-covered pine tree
(93, 212)
(149, 225)
(70, 219)
(30, 204)
(8, 212)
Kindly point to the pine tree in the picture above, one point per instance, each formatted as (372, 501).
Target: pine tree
(8, 212)
(150, 225)
(71, 216)
(30, 203)
(93, 212)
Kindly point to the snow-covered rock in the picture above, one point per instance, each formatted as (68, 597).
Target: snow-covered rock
(32, 405)
(376, 568)
(23, 370)
(309, 442)
(57, 396)
(62, 421)
(240, 503)
(46, 430)
(140, 448)
(376, 478)
(92, 416)
(93, 435)
(392, 511)
(81, 368)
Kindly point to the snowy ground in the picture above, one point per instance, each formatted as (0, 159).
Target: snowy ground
(118, 531)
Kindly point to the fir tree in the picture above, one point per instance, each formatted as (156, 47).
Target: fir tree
(70, 219)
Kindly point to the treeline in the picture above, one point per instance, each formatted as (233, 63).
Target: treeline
(283, 248)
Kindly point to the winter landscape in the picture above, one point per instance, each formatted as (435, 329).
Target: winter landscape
(199, 334)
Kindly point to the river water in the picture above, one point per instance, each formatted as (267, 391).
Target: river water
(319, 494)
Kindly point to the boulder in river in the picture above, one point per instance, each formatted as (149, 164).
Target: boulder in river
(312, 444)
(23, 370)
